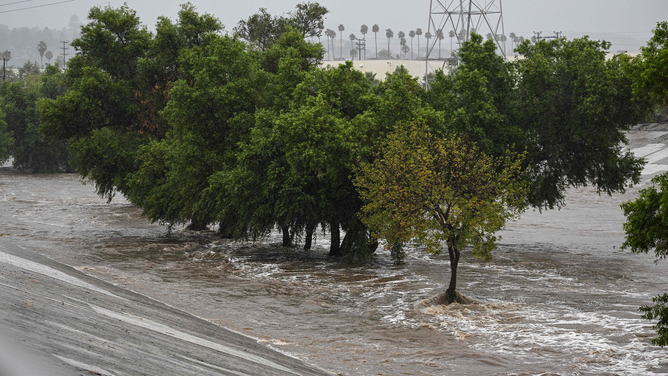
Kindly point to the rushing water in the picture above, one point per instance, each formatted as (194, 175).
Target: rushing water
(560, 297)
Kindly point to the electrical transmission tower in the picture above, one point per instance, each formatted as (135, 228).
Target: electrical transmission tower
(457, 19)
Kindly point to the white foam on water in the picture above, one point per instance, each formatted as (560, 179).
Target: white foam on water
(595, 341)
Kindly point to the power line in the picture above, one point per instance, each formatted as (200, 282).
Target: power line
(37, 6)
(15, 2)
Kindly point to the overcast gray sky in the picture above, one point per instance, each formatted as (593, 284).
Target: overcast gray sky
(619, 21)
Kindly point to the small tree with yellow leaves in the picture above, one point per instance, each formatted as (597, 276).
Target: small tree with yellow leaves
(440, 191)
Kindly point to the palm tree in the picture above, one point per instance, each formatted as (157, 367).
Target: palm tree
(49, 56)
(440, 36)
(352, 38)
(404, 45)
(451, 34)
(5, 56)
(418, 32)
(427, 35)
(331, 34)
(341, 28)
(375, 28)
(504, 39)
(411, 34)
(513, 40)
(329, 55)
(364, 29)
(41, 48)
(405, 49)
(353, 54)
(389, 34)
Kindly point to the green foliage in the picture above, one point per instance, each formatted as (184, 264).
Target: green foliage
(653, 78)
(208, 117)
(645, 219)
(439, 191)
(6, 139)
(264, 30)
(575, 108)
(28, 68)
(658, 312)
(19, 101)
(119, 82)
(436, 191)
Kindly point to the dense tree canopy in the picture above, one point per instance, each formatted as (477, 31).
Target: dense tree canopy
(247, 133)
(646, 216)
(6, 140)
(19, 100)
(118, 83)
(264, 29)
(562, 102)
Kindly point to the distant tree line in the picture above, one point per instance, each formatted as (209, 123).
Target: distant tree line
(405, 49)
(22, 42)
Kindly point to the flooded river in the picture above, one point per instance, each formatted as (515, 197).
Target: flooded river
(559, 298)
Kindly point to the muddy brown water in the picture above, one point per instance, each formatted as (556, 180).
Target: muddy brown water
(559, 298)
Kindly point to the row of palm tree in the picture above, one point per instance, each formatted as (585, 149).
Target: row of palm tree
(404, 48)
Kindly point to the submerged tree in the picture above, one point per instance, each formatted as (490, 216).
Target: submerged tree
(646, 216)
(439, 191)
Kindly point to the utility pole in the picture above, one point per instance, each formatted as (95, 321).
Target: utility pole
(65, 52)
(6, 56)
(361, 46)
(538, 36)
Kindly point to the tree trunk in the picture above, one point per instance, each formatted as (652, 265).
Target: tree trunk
(335, 248)
(224, 232)
(308, 242)
(197, 224)
(287, 239)
(451, 292)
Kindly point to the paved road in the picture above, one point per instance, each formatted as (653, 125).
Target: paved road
(55, 320)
